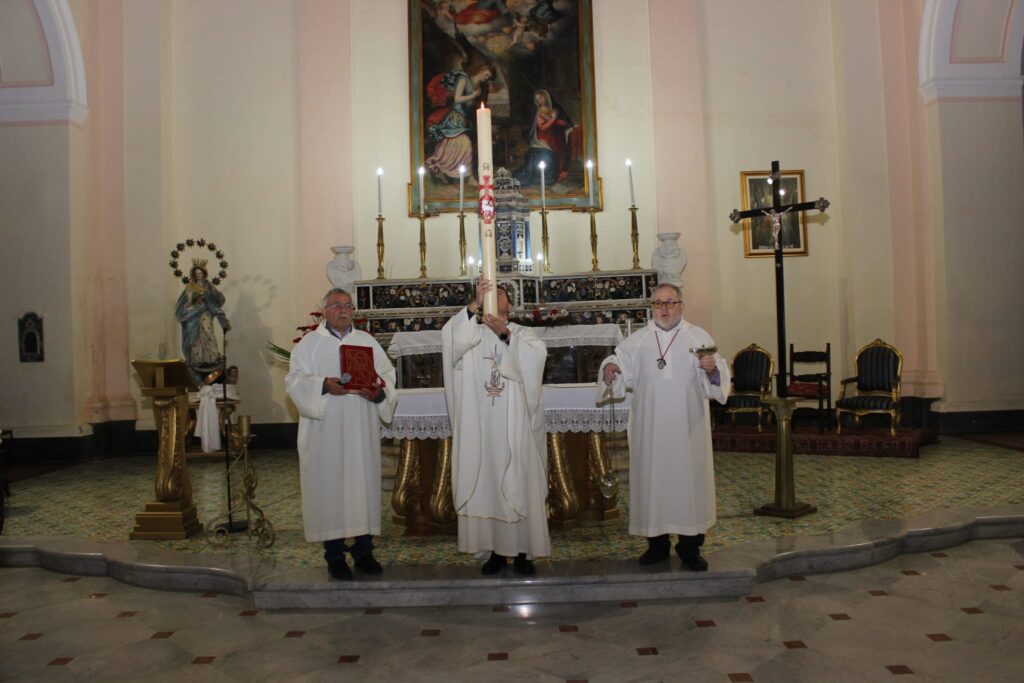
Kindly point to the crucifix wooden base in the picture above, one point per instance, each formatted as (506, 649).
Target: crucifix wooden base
(785, 504)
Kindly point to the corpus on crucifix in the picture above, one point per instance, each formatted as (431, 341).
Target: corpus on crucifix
(775, 213)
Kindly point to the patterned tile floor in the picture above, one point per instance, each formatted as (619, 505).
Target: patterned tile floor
(98, 500)
(956, 615)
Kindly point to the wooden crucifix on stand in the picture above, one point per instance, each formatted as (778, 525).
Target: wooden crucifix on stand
(785, 504)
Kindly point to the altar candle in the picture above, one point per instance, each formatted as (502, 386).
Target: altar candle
(542, 166)
(590, 178)
(485, 178)
(380, 200)
(629, 168)
(422, 205)
(462, 186)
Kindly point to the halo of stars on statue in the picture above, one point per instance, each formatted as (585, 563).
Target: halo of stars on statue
(190, 243)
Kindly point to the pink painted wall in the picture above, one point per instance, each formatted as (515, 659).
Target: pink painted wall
(913, 251)
(105, 303)
(681, 164)
(325, 137)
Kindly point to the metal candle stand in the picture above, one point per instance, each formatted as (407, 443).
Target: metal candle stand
(243, 480)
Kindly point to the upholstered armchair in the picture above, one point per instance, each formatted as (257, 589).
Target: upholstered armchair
(752, 370)
(875, 389)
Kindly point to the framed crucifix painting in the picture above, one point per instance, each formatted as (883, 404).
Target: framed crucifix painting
(758, 236)
(532, 63)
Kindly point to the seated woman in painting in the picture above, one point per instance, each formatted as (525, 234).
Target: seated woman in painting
(553, 140)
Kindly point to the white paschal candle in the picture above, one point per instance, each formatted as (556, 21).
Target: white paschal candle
(542, 166)
(485, 178)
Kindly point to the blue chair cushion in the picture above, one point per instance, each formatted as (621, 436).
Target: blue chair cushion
(744, 401)
(867, 403)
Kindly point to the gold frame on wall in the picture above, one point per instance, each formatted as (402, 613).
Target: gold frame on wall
(758, 241)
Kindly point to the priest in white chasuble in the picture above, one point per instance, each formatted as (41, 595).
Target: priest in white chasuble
(493, 376)
(671, 469)
(339, 438)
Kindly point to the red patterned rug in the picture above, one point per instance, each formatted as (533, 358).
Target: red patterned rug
(868, 442)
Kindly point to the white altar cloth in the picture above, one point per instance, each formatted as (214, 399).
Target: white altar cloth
(422, 413)
(429, 341)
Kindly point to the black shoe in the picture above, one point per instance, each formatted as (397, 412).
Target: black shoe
(691, 559)
(339, 570)
(653, 556)
(494, 564)
(368, 564)
(523, 566)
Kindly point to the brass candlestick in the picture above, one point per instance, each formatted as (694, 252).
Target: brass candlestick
(462, 243)
(593, 238)
(544, 239)
(380, 246)
(592, 211)
(634, 235)
(423, 245)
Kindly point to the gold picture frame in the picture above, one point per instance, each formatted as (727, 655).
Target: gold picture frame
(758, 237)
(533, 64)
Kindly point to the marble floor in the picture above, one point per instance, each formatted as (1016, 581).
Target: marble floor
(951, 615)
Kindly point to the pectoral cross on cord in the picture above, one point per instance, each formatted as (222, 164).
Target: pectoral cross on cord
(661, 354)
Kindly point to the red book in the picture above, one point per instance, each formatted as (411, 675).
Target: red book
(357, 361)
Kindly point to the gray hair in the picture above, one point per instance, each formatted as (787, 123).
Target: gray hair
(668, 285)
(331, 292)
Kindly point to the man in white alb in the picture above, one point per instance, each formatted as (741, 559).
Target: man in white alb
(339, 438)
(492, 383)
(671, 470)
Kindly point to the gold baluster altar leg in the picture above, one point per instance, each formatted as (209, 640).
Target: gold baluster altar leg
(407, 473)
(602, 504)
(442, 509)
(563, 503)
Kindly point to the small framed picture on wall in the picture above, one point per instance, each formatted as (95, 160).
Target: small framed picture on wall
(758, 236)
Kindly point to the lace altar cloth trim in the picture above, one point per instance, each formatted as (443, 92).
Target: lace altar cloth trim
(556, 421)
(422, 413)
(429, 341)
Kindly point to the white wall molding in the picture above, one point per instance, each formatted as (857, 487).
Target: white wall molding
(940, 78)
(66, 99)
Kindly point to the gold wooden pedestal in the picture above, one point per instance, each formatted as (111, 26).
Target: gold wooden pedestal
(172, 516)
(577, 466)
(174, 520)
(786, 504)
